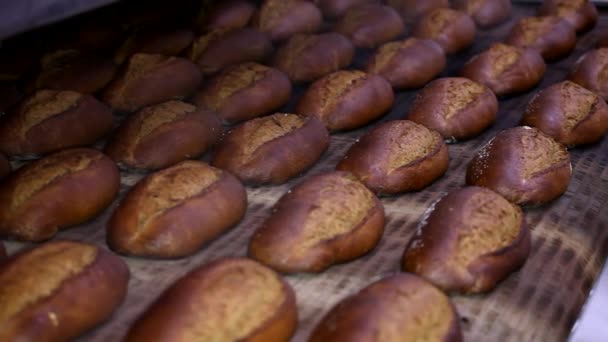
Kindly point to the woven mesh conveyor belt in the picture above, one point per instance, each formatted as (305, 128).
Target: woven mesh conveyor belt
(541, 302)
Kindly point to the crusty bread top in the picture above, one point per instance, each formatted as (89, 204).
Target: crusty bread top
(37, 274)
(566, 7)
(160, 114)
(502, 56)
(273, 11)
(576, 103)
(387, 52)
(235, 79)
(296, 46)
(440, 18)
(338, 84)
(539, 152)
(59, 58)
(262, 130)
(141, 63)
(531, 28)
(409, 142)
(45, 104)
(200, 44)
(458, 94)
(602, 60)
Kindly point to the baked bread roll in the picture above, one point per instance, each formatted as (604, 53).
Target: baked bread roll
(456, 107)
(468, 241)
(397, 156)
(370, 25)
(227, 14)
(522, 164)
(61, 190)
(175, 211)
(59, 290)
(223, 47)
(506, 69)
(581, 14)
(50, 120)
(304, 58)
(164, 134)
(453, 30)
(148, 79)
(399, 308)
(485, 13)
(336, 8)
(412, 10)
(74, 70)
(5, 166)
(327, 219)
(162, 42)
(230, 299)
(272, 149)
(245, 91)
(347, 99)
(281, 19)
(409, 63)
(590, 72)
(568, 113)
(553, 37)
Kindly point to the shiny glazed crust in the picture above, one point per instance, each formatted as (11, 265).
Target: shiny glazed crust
(453, 30)
(582, 15)
(370, 25)
(591, 72)
(553, 37)
(486, 13)
(281, 19)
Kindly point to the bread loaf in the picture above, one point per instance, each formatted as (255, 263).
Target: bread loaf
(281, 19)
(580, 14)
(453, 30)
(486, 13)
(59, 290)
(552, 37)
(590, 72)
(227, 14)
(61, 190)
(163, 42)
(337, 8)
(370, 25)
(413, 10)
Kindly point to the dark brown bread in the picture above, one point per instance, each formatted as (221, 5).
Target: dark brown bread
(453, 30)
(569, 113)
(164, 134)
(163, 42)
(398, 308)
(222, 48)
(409, 63)
(327, 219)
(591, 72)
(336, 8)
(522, 164)
(74, 70)
(486, 13)
(581, 14)
(347, 99)
(272, 149)
(370, 25)
(5, 166)
(304, 58)
(397, 156)
(245, 91)
(59, 290)
(553, 37)
(456, 107)
(61, 190)
(506, 69)
(230, 299)
(50, 120)
(148, 79)
(468, 241)
(227, 14)
(175, 211)
(281, 19)
(413, 10)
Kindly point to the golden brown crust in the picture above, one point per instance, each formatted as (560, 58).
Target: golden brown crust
(409, 63)
(164, 134)
(328, 219)
(553, 37)
(522, 164)
(397, 156)
(174, 212)
(468, 241)
(5, 166)
(347, 99)
(305, 58)
(148, 79)
(506, 69)
(569, 113)
(412, 10)
(456, 107)
(59, 290)
(281, 19)
(61, 190)
(581, 14)
(591, 72)
(401, 307)
(370, 25)
(453, 30)
(245, 91)
(486, 13)
(337, 8)
(272, 149)
(163, 42)
(227, 14)
(230, 299)
(221, 48)
(50, 120)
